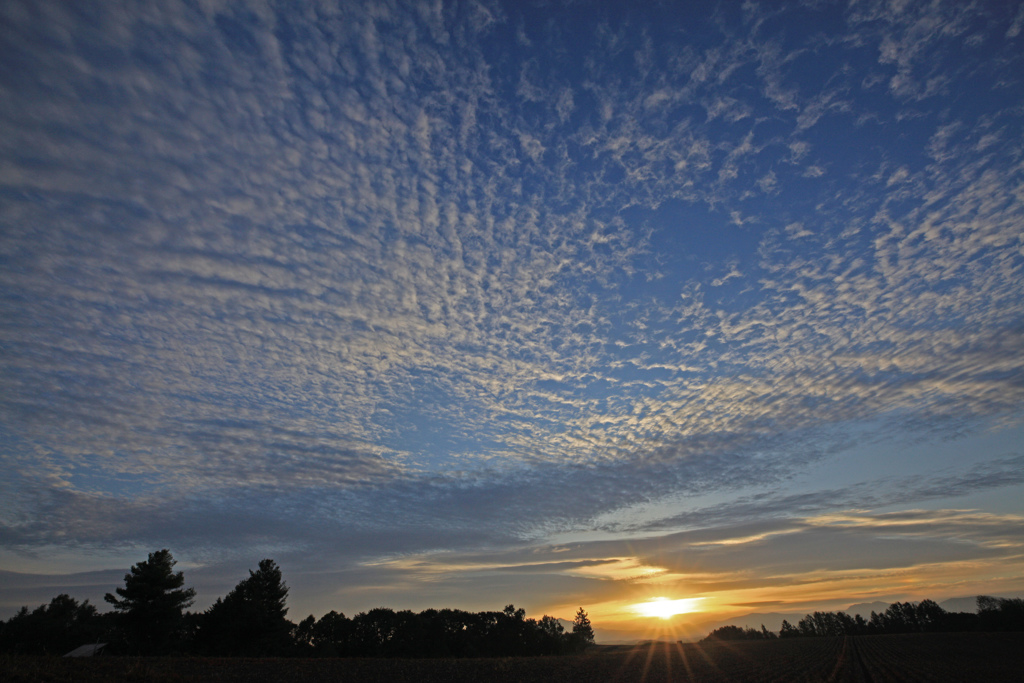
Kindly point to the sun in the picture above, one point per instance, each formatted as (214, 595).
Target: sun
(664, 608)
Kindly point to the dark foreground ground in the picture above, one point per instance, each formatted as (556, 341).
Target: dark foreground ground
(917, 657)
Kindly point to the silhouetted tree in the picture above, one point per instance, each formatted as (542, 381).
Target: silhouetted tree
(56, 628)
(373, 631)
(510, 633)
(437, 633)
(876, 623)
(732, 632)
(728, 632)
(464, 632)
(582, 632)
(303, 636)
(250, 620)
(327, 637)
(901, 617)
(929, 616)
(552, 636)
(150, 604)
(414, 636)
(986, 603)
(1000, 614)
(382, 632)
(332, 633)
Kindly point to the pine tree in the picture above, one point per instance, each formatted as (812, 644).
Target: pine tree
(250, 620)
(151, 602)
(582, 631)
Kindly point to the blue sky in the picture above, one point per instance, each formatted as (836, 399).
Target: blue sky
(460, 304)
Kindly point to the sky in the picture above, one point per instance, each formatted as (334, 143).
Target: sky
(559, 304)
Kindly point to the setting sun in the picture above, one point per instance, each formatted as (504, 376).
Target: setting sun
(665, 608)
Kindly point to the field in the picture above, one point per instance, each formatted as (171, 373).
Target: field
(916, 657)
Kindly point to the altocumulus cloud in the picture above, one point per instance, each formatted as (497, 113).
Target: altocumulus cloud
(478, 273)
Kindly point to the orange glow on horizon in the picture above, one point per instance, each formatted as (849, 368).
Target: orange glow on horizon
(634, 615)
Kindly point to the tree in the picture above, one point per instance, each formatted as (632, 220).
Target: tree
(250, 620)
(732, 632)
(582, 631)
(150, 604)
(56, 628)
(986, 603)
(930, 616)
(331, 634)
(900, 617)
(552, 635)
(374, 631)
(1000, 614)
(511, 634)
(807, 627)
(729, 632)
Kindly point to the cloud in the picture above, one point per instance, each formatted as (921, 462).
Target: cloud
(1018, 21)
(851, 551)
(263, 267)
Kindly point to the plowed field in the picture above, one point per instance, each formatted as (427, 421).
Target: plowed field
(871, 659)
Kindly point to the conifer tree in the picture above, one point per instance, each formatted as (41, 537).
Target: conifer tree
(582, 631)
(250, 620)
(150, 604)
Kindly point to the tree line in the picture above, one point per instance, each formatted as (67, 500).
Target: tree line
(994, 614)
(150, 616)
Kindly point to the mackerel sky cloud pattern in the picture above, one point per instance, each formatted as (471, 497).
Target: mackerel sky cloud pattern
(385, 280)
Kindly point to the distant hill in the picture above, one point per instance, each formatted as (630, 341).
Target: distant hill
(866, 608)
(609, 637)
(968, 604)
(965, 604)
(771, 620)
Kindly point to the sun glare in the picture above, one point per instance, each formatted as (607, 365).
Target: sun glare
(664, 608)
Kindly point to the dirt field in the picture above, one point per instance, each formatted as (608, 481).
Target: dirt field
(931, 657)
